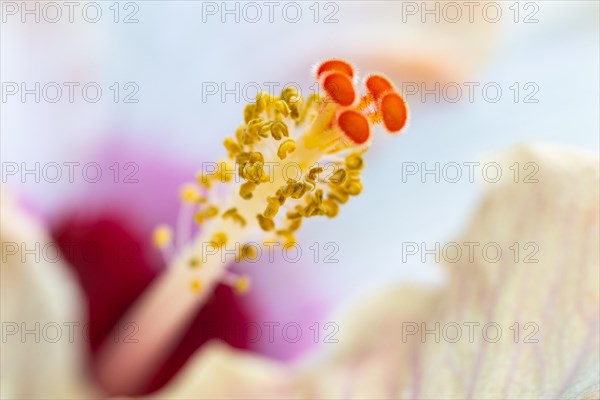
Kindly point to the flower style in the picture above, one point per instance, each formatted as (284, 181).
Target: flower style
(321, 139)
(295, 158)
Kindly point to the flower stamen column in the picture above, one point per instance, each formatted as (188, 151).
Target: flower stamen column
(293, 158)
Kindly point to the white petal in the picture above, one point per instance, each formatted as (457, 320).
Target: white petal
(555, 300)
(39, 296)
(220, 372)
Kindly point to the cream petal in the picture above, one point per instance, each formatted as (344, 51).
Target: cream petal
(371, 349)
(217, 371)
(554, 297)
(552, 289)
(34, 291)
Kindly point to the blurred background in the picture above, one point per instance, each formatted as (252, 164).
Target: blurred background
(174, 79)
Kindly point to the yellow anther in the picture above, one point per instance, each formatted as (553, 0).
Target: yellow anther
(162, 236)
(339, 196)
(253, 172)
(204, 180)
(280, 197)
(263, 100)
(286, 148)
(233, 214)
(294, 101)
(209, 212)
(353, 188)
(338, 177)
(225, 172)
(295, 111)
(257, 157)
(249, 112)
(219, 239)
(319, 197)
(354, 161)
(309, 211)
(310, 186)
(312, 207)
(331, 207)
(265, 129)
(240, 134)
(232, 147)
(240, 220)
(276, 131)
(246, 190)
(189, 194)
(313, 174)
(242, 159)
(251, 157)
(241, 284)
(254, 128)
(285, 191)
(196, 285)
(353, 174)
(272, 209)
(300, 189)
(279, 130)
(293, 215)
(300, 210)
(295, 190)
(195, 262)
(291, 95)
(266, 224)
(248, 252)
(282, 108)
(287, 239)
(261, 103)
(295, 224)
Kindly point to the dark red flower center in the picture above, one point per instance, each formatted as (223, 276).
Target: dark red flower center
(114, 265)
